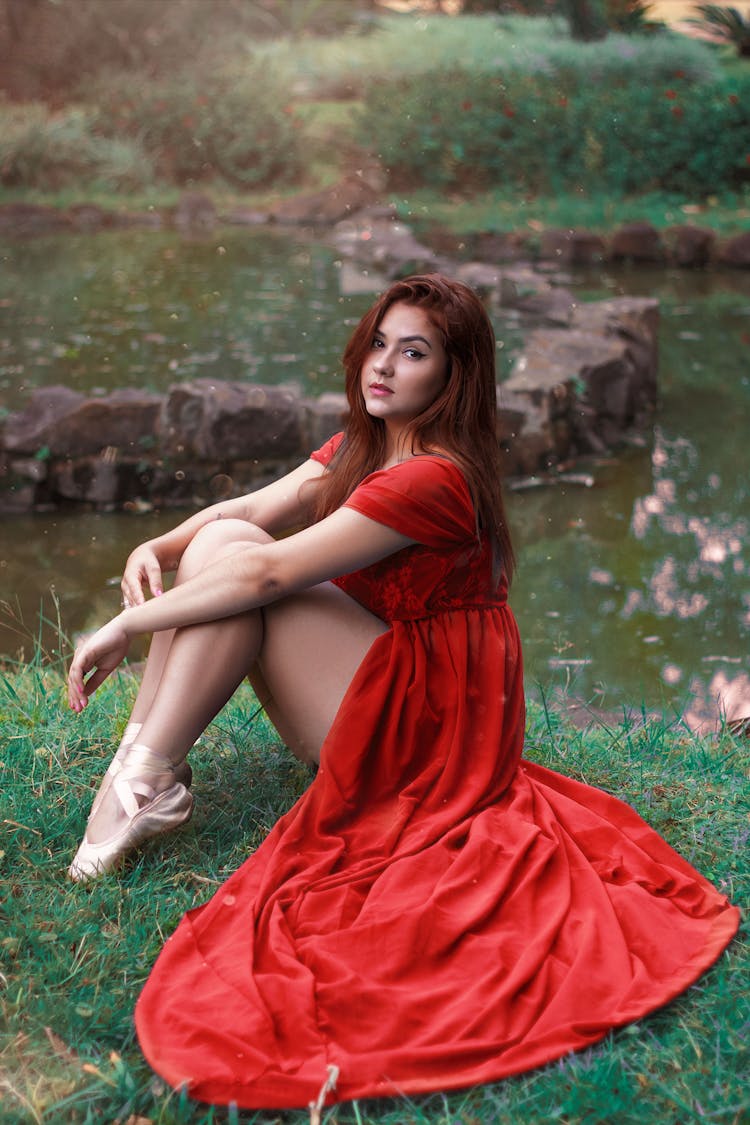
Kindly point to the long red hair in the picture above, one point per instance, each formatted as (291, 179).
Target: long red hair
(460, 423)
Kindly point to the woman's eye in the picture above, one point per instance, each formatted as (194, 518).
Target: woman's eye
(413, 353)
(377, 343)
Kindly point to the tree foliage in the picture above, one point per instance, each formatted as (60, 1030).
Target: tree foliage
(48, 47)
(726, 23)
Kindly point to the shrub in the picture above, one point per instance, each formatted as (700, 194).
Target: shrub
(39, 149)
(198, 127)
(545, 133)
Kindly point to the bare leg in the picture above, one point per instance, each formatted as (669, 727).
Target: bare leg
(308, 648)
(203, 550)
(312, 646)
(107, 812)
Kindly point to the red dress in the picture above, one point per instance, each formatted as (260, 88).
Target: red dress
(433, 912)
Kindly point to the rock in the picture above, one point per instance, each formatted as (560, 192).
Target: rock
(328, 206)
(484, 279)
(581, 391)
(635, 321)
(511, 422)
(16, 496)
(194, 210)
(637, 242)
(175, 486)
(87, 216)
(104, 482)
(31, 218)
(500, 246)
(517, 284)
(29, 468)
(245, 217)
(22, 482)
(551, 305)
(541, 383)
(522, 288)
(324, 416)
(37, 426)
(70, 425)
(736, 251)
(572, 247)
(151, 218)
(225, 421)
(637, 317)
(689, 247)
(386, 245)
(356, 279)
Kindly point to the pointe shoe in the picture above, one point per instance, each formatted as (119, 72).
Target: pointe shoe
(162, 812)
(182, 772)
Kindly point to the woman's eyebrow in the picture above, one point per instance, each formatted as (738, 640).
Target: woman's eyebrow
(406, 339)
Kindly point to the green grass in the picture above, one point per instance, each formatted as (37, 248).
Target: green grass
(507, 211)
(492, 211)
(73, 958)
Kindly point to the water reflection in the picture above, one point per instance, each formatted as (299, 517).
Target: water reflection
(636, 590)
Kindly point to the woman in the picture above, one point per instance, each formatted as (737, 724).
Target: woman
(433, 912)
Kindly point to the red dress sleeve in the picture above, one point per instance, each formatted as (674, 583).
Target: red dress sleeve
(426, 498)
(326, 451)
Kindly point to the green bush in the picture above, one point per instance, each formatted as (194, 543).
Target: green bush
(420, 42)
(39, 149)
(547, 133)
(197, 128)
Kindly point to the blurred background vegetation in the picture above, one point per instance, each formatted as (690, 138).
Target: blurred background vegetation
(249, 96)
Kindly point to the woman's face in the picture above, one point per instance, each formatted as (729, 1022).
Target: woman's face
(406, 367)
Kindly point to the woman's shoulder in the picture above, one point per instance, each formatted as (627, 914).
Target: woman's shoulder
(328, 449)
(425, 497)
(430, 465)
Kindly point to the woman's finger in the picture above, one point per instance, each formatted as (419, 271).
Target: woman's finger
(153, 573)
(77, 698)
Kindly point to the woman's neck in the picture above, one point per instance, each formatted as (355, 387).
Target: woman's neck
(399, 446)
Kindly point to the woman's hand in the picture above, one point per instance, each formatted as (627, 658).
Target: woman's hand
(96, 657)
(143, 568)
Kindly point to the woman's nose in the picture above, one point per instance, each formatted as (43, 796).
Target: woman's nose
(383, 363)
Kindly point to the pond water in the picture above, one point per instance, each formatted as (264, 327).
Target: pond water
(631, 592)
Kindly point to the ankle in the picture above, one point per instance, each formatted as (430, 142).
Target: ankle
(143, 776)
(150, 765)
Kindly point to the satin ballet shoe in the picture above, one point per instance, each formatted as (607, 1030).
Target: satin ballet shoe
(162, 812)
(128, 739)
(182, 773)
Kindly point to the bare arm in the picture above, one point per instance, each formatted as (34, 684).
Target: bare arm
(275, 508)
(253, 576)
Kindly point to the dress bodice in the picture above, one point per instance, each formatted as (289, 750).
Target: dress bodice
(450, 565)
(421, 581)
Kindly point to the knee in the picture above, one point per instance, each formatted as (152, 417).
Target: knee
(217, 539)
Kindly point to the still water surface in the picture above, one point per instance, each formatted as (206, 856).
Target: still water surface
(632, 591)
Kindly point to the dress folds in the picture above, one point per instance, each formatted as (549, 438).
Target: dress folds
(434, 911)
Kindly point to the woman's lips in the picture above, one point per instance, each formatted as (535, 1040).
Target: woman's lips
(380, 389)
